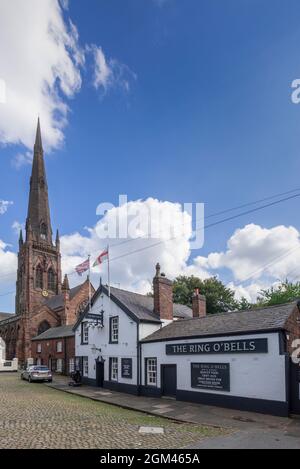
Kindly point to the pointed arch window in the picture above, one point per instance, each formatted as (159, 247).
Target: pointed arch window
(43, 326)
(51, 280)
(39, 277)
(43, 230)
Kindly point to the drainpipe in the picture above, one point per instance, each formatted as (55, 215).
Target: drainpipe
(138, 356)
(65, 356)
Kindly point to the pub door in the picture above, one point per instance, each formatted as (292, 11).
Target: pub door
(169, 380)
(99, 374)
(294, 388)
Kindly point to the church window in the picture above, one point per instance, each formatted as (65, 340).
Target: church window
(39, 277)
(43, 230)
(51, 280)
(44, 326)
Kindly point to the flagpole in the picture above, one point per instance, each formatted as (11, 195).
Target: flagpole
(108, 271)
(89, 257)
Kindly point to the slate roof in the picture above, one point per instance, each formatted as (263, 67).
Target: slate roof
(57, 301)
(137, 305)
(142, 305)
(5, 316)
(255, 320)
(56, 333)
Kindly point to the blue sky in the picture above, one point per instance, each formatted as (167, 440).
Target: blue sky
(208, 116)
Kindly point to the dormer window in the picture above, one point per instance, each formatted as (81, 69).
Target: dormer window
(43, 231)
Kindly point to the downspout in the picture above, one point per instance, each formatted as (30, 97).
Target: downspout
(138, 356)
(65, 356)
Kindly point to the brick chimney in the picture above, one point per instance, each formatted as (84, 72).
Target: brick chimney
(198, 304)
(163, 295)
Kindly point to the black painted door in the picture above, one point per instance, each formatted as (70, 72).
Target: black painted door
(169, 380)
(99, 374)
(295, 388)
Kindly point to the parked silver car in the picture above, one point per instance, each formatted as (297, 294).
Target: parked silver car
(37, 373)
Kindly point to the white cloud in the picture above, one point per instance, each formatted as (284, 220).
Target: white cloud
(64, 4)
(8, 265)
(4, 204)
(17, 227)
(254, 251)
(136, 270)
(40, 61)
(256, 257)
(110, 73)
(22, 159)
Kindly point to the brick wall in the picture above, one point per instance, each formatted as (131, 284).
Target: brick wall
(49, 351)
(293, 328)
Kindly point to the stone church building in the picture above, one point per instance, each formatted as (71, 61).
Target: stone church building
(43, 300)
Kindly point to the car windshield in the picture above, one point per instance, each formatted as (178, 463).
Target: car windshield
(39, 368)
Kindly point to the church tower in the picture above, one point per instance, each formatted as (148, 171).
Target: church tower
(39, 259)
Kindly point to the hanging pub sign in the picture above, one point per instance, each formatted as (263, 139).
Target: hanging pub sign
(210, 376)
(126, 368)
(220, 346)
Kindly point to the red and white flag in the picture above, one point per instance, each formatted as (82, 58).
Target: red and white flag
(101, 258)
(81, 268)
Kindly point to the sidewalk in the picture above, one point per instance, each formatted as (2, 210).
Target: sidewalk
(181, 411)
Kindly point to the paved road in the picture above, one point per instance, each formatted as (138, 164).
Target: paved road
(254, 439)
(248, 429)
(37, 416)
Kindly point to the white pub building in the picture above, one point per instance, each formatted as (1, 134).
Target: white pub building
(151, 346)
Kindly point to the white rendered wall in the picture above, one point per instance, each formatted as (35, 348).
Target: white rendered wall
(254, 375)
(127, 344)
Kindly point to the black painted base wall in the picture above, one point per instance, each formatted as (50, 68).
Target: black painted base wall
(88, 381)
(121, 387)
(262, 406)
(150, 391)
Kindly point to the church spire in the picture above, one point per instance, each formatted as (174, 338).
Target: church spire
(38, 217)
(38, 146)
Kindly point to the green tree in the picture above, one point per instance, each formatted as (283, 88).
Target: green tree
(244, 304)
(218, 297)
(283, 293)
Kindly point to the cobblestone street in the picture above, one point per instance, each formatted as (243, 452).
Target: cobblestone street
(36, 416)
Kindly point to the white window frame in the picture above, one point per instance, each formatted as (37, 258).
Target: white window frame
(59, 365)
(151, 371)
(85, 366)
(114, 329)
(114, 371)
(85, 333)
(59, 346)
(71, 365)
(39, 348)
